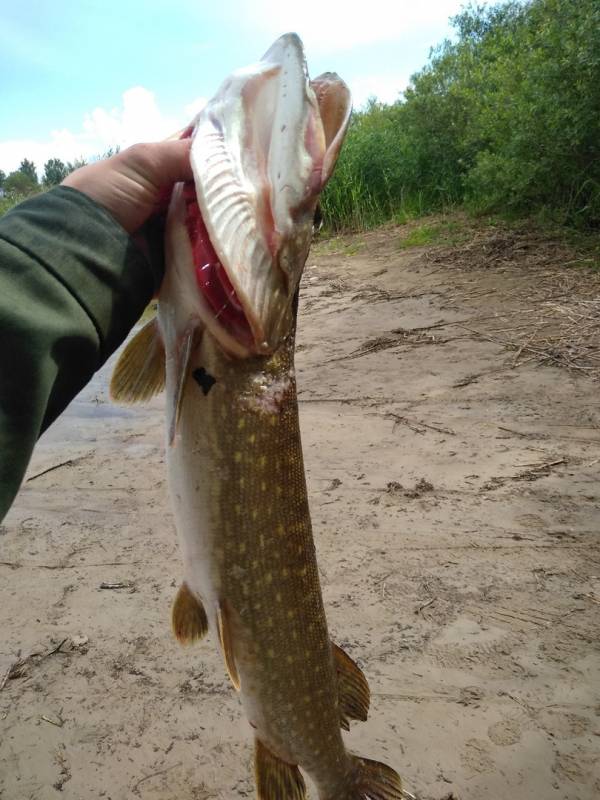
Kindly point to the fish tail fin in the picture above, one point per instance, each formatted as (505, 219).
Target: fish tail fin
(369, 780)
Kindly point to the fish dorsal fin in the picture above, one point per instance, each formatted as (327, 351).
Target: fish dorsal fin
(227, 645)
(188, 616)
(140, 371)
(353, 689)
(275, 779)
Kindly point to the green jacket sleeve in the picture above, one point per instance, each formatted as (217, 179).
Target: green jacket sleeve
(72, 285)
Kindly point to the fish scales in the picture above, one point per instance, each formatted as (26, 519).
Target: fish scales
(244, 434)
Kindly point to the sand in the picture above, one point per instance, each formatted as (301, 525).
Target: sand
(453, 482)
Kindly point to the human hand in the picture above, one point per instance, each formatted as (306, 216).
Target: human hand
(131, 185)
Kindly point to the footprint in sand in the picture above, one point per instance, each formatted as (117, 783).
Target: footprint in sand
(476, 757)
(563, 725)
(505, 732)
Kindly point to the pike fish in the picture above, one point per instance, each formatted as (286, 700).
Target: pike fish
(222, 345)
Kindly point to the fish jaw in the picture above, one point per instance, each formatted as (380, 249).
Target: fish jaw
(238, 235)
(260, 158)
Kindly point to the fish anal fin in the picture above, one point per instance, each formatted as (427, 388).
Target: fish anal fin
(226, 640)
(140, 371)
(275, 779)
(369, 780)
(188, 616)
(353, 689)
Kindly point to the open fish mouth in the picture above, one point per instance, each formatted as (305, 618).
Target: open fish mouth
(262, 150)
(222, 302)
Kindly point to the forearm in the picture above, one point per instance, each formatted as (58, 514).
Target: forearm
(72, 284)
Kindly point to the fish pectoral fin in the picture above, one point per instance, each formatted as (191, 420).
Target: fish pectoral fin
(275, 779)
(353, 689)
(188, 616)
(140, 371)
(181, 363)
(227, 645)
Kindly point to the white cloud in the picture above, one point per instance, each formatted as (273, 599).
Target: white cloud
(137, 119)
(340, 24)
(62, 144)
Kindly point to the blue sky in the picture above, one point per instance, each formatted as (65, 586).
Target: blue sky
(79, 76)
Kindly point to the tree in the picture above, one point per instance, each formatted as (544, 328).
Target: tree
(55, 171)
(2, 178)
(112, 151)
(19, 182)
(73, 165)
(28, 168)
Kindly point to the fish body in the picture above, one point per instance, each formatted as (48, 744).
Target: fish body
(254, 566)
(236, 243)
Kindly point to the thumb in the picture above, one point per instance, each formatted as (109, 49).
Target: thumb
(171, 161)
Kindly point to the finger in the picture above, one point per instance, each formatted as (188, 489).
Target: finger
(172, 162)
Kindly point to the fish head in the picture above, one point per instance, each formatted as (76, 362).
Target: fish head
(262, 150)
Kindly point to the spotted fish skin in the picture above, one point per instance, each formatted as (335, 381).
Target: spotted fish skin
(237, 459)
(238, 491)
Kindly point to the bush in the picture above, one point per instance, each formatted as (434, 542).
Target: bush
(506, 118)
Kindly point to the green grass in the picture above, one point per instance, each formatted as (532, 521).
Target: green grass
(451, 233)
(336, 245)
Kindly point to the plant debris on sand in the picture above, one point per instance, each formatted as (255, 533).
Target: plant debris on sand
(455, 502)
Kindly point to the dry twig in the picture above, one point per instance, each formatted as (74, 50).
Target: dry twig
(68, 463)
(17, 668)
